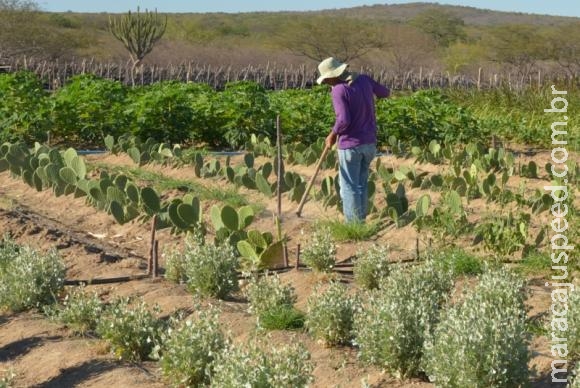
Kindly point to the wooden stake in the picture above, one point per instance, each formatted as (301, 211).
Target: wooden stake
(297, 256)
(152, 253)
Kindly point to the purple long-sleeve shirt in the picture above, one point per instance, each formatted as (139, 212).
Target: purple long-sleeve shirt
(354, 106)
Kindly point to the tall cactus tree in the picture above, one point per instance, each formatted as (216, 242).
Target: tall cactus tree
(138, 32)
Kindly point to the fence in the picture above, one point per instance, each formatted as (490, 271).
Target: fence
(56, 73)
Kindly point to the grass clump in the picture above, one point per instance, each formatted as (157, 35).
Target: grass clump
(330, 314)
(28, 279)
(132, 330)
(189, 349)
(371, 267)
(350, 231)
(282, 317)
(535, 263)
(320, 253)
(459, 262)
(482, 342)
(80, 311)
(393, 323)
(286, 366)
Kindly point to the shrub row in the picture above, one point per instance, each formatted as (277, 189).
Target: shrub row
(88, 108)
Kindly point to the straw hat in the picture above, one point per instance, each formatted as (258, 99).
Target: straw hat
(330, 68)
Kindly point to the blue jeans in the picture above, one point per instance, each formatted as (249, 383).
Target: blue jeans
(353, 164)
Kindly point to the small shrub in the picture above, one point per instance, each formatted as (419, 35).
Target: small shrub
(267, 292)
(575, 378)
(392, 325)
(177, 261)
(28, 279)
(7, 379)
(250, 366)
(282, 317)
(535, 263)
(574, 324)
(320, 254)
(330, 314)
(482, 342)
(80, 311)
(189, 349)
(209, 270)
(371, 267)
(132, 330)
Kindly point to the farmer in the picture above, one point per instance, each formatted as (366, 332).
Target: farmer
(355, 128)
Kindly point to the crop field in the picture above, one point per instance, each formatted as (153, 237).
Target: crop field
(446, 284)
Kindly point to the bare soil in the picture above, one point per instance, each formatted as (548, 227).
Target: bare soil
(42, 353)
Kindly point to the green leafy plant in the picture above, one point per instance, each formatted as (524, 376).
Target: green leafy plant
(210, 270)
(371, 267)
(249, 365)
(320, 253)
(282, 317)
(394, 321)
(330, 314)
(189, 348)
(458, 262)
(574, 324)
(131, 329)
(482, 341)
(267, 291)
(80, 311)
(503, 235)
(28, 278)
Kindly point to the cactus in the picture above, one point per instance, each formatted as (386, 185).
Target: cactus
(68, 175)
(249, 160)
(110, 144)
(263, 186)
(231, 220)
(116, 194)
(150, 200)
(4, 166)
(138, 32)
(135, 155)
(422, 206)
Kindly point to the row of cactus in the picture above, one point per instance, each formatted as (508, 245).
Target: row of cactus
(144, 152)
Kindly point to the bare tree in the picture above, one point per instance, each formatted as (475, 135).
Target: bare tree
(321, 37)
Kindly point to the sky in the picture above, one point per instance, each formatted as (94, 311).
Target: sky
(560, 7)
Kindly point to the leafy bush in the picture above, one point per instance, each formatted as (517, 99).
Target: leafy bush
(267, 292)
(371, 267)
(482, 342)
(392, 325)
(244, 109)
(575, 383)
(330, 314)
(177, 260)
(210, 270)
(189, 349)
(80, 311)
(425, 116)
(24, 108)
(250, 366)
(88, 108)
(132, 330)
(28, 278)
(161, 111)
(320, 254)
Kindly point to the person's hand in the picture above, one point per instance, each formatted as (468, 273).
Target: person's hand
(330, 139)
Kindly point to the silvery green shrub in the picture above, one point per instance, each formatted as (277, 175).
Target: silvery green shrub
(28, 279)
(574, 324)
(320, 253)
(80, 310)
(482, 341)
(189, 348)
(248, 365)
(575, 383)
(393, 322)
(330, 313)
(267, 292)
(132, 329)
(371, 267)
(177, 260)
(210, 270)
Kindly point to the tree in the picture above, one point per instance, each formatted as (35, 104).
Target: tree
(519, 46)
(407, 48)
(138, 32)
(322, 37)
(443, 26)
(565, 49)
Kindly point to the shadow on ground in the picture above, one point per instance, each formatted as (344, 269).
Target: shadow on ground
(71, 377)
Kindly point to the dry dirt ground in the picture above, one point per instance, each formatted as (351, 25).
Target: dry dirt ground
(42, 353)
